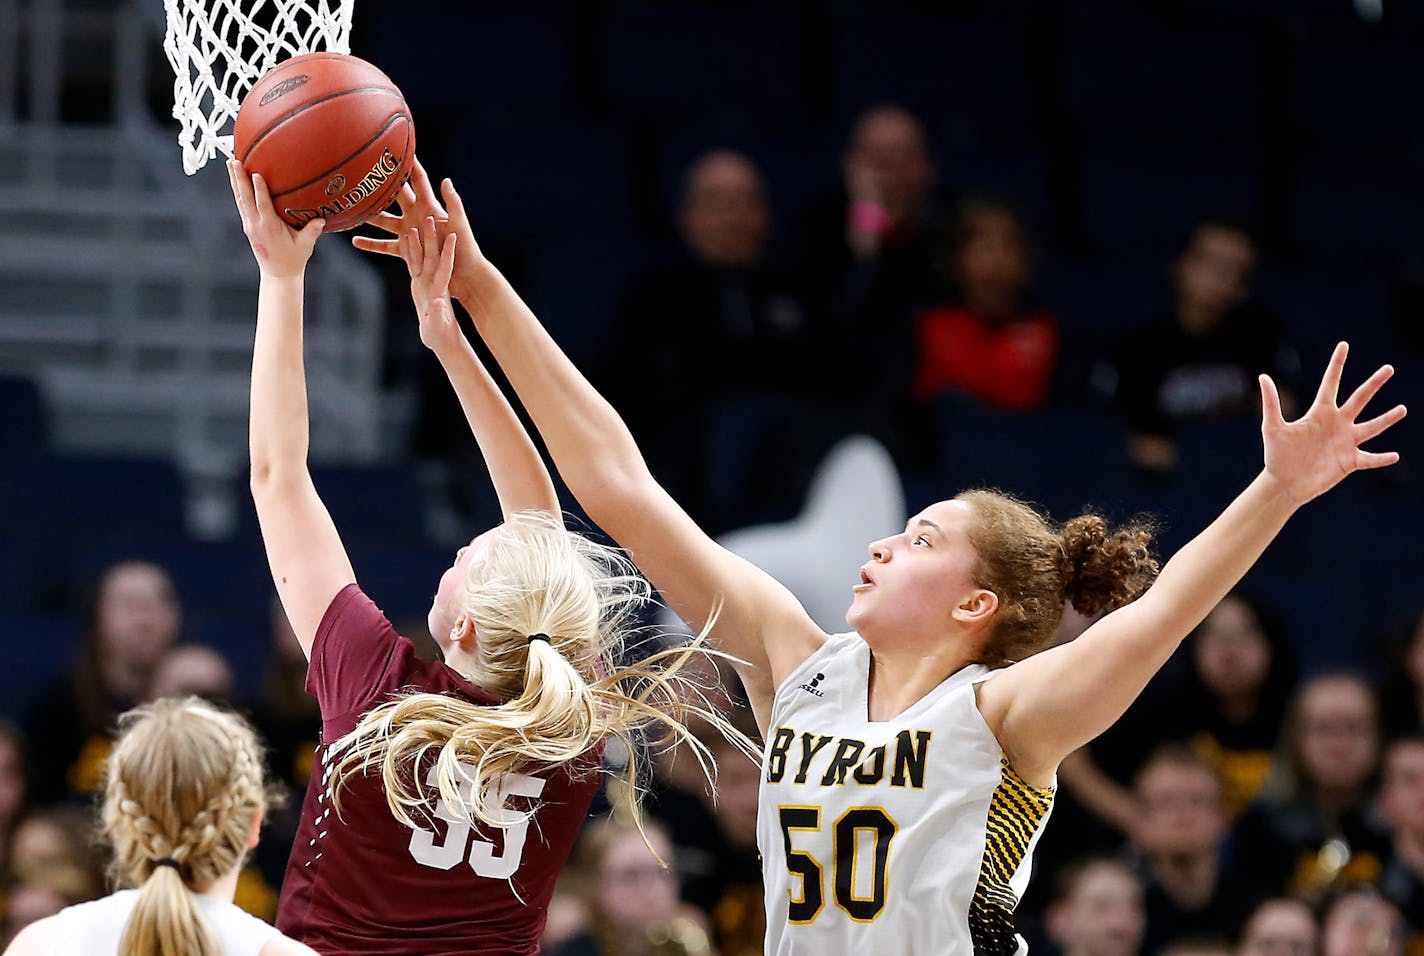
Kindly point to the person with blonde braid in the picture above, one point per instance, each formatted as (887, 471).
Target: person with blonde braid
(446, 796)
(183, 804)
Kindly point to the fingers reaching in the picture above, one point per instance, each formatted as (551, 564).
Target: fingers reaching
(1271, 413)
(1361, 396)
(242, 192)
(388, 222)
(420, 182)
(446, 267)
(384, 247)
(1376, 426)
(262, 196)
(452, 198)
(1376, 459)
(412, 252)
(312, 231)
(1330, 384)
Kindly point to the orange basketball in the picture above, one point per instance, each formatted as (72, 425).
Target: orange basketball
(330, 134)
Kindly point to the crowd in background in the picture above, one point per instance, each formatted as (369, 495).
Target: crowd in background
(1255, 801)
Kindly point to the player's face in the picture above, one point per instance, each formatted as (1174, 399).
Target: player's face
(915, 579)
(443, 611)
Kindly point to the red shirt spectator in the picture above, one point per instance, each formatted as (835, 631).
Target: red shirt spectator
(1006, 364)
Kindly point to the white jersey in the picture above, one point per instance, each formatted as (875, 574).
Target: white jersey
(910, 837)
(95, 928)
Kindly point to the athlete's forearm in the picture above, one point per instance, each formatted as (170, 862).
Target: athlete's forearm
(278, 430)
(521, 481)
(591, 446)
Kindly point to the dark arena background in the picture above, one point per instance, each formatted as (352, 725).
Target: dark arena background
(1040, 246)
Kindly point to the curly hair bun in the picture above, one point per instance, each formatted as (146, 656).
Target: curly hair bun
(1105, 569)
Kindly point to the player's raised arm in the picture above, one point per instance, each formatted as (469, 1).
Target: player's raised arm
(759, 621)
(520, 479)
(1047, 706)
(309, 564)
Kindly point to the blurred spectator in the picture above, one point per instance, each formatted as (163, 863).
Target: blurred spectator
(57, 840)
(192, 669)
(720, 323)
(1196, 946)
(1234, 696)
(285, 713)
(989, 341)
(44, 891)
(1402, 692)
(715, 835)
(867, 254)
(1360, 922)
(1201, 361)
(1228, 704)
(1280, 927)
(1178, 837)
(1401, 807)
(135, 618)
(1312, 830)
(14, 786)
(631, 905)
(1097, 910)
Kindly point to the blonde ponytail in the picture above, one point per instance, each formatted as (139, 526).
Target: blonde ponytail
(551, 611)
(166, 920)
(184, 784)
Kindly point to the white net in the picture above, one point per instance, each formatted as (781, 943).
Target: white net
(219, 48)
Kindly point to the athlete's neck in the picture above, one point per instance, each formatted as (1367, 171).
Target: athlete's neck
(900, 680)
(461, 662)
(224, 888)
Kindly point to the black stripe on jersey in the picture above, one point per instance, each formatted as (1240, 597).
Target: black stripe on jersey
(1016, 811)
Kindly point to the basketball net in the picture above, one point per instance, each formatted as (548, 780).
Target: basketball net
(219, 48)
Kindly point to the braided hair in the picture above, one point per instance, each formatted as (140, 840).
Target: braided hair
(185, 782)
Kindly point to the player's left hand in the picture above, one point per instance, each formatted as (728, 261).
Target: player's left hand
(1311, 455)
(430, 285)
(418, 202)
(280, 250)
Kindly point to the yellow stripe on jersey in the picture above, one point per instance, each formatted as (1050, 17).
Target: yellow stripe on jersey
(1016, 811)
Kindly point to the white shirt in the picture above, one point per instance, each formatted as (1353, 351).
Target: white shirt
(911, 836)
(95, 928)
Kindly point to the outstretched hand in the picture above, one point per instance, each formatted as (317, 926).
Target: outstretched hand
(1310, 455)
(280, 250)
(418, 203)
(430, 285)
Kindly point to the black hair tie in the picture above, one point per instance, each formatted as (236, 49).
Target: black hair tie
(540, 636)
(165, 861)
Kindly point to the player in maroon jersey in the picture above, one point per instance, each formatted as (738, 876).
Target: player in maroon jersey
(446, 796)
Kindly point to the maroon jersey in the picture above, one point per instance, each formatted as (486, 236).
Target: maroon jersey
(368, 884)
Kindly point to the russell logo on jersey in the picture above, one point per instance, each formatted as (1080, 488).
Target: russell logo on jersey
(810, 686)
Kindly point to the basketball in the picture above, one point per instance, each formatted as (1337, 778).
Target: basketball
(330, 134)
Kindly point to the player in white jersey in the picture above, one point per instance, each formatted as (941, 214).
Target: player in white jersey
(184, 800)
(910, 764)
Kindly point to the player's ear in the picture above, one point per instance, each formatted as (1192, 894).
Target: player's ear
(254, 830)
(976, 607)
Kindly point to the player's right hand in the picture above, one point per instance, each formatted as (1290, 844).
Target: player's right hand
(280, 250)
